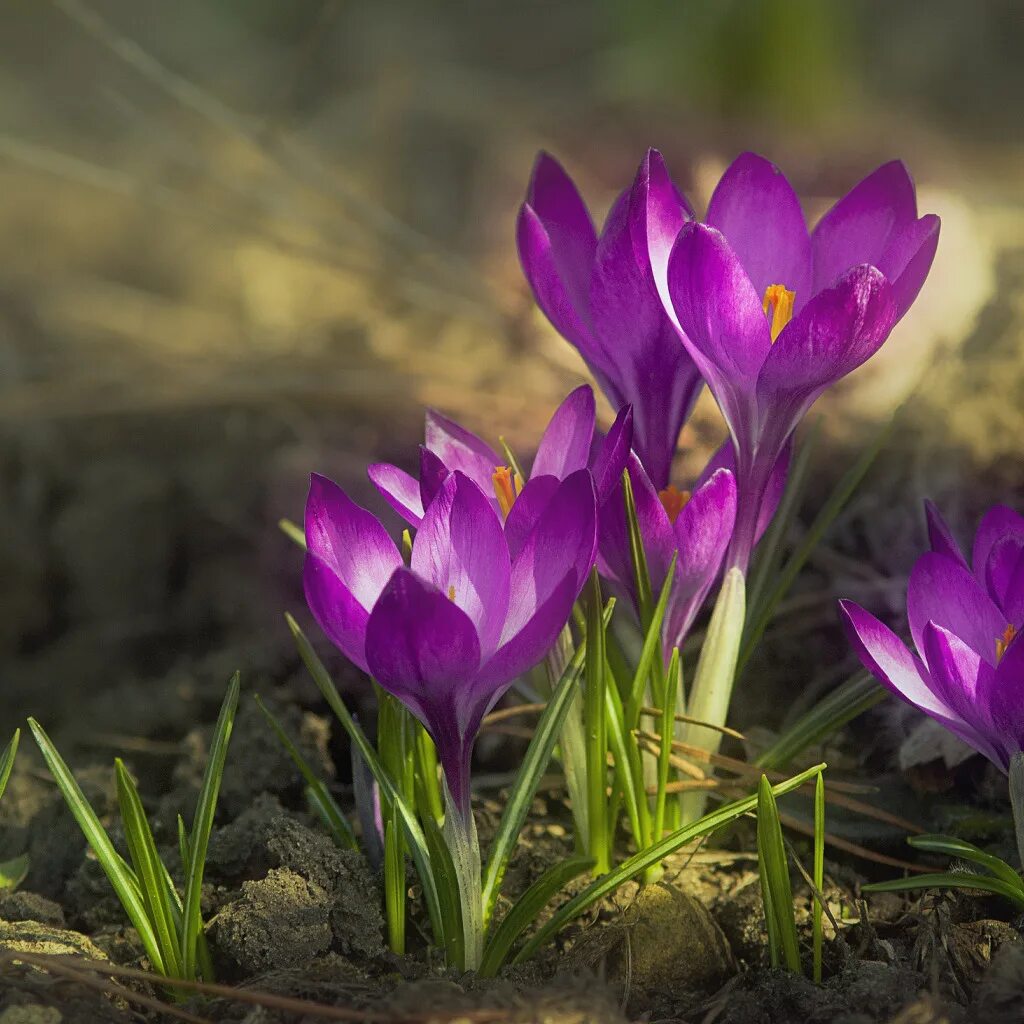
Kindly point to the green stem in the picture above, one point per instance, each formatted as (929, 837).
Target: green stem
(595, 728)
(464, 846)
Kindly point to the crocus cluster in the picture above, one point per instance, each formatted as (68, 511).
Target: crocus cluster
(964, 617)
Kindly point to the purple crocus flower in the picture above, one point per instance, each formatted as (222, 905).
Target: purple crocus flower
(773, 315)
(599, 293)
(567, 446)
(449, 633)
(968, 672)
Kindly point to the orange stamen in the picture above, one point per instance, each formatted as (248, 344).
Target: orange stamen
(451, 592)
(507, 487)
(778, 305)
(1005, 640)
(674, 501)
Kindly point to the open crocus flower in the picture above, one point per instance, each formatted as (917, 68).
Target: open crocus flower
(599, 293)
(449, 633)
(772, 314)
(968, 673)
(567, 446)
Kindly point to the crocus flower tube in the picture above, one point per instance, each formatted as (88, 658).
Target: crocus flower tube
(772, 314)
(566, 446)
(599, 293)
(968, 670)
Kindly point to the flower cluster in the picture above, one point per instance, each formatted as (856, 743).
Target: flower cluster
(965, 617)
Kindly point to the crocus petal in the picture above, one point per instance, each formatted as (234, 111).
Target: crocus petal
(423, 648)
(908, 259)
(563, 540)
(433, 473)
(349, 541)
(612, 451)
(342, 618)
(942, 591)
(756, 209)
(615, 560)
(460, 449)
(400, 490)
(527, 647)
(565, 446)
(660, 218)
(702, 530)
(544, 277)
(997, 523)
(940, 536)
(557, 202)
(836, 331)
(1002, 696)
(886, 657)
(957, 675)
(722, 319)
(526, 511)
(460, 548)
(1004, 578)
(860, 227)
(641, 353)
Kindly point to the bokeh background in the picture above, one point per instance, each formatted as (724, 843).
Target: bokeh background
(244, 239)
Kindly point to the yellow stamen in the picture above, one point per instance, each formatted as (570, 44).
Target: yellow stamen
(1005, 640)
(451, 592)
(778, 304)
(674, 501)
(507, 487)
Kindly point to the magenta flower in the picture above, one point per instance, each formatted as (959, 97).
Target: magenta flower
(567, 446)
(773, 315)
(600, 295)
(449, 633)
(968, 672)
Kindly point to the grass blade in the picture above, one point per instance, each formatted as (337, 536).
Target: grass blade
(672, 684)
(596, 731)
(628, 772)
(394, 885)
(654, 854)
(149, 869)
(7, 760)
(651, 649)
(819, 875)
(121, 876)
(413, 832)
(953, 847)
(316, 789)
(641, 574)
(202, 825)
(293, 532)
(776, 889)
(840, 495)
(525, 910)
(950, 880)
(535, 761)
(826, 718)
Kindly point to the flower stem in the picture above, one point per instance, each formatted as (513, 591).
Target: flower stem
(596, 731)
(464, 846)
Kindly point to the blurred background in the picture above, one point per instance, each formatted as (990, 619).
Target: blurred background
(244, 239)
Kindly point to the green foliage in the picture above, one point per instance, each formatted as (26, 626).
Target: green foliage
(170, 925)
(776, 891)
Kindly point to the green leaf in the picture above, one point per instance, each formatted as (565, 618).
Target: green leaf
(840, 495)
(819, 873)
(413, 832)
(666, 728)
(13, 872)
(641, 574)
(644, 859)
(293, 532)
(394, 885)
(596, 730)
(628, 771)
(150, 871)
(202, 825)
(953, 847)
(826, 718)
(650, 651)
(957, 880)
(524, 911)
(7, 760)
(447, 892)
(528, 777)
(776, 889)
(316, 789)
(121, 876)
